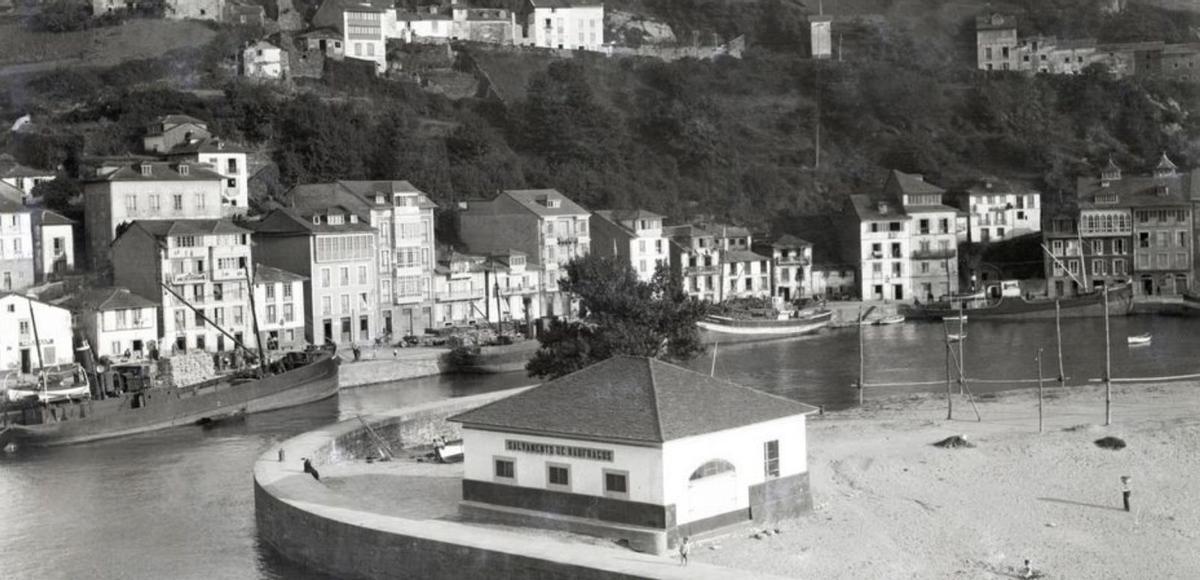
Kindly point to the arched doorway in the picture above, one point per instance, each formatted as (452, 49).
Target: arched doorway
(712, 490)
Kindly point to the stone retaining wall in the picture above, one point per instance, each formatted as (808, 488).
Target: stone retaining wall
(315, 527)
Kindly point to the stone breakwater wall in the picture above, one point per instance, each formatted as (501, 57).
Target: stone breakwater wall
(386, 369)
(310, 524)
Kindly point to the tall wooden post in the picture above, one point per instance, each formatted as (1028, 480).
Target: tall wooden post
(712, 372)
(1041, 425)
(1062, 375)
(862, 365)
(962, 350)
(949, 392)
(1107, 364)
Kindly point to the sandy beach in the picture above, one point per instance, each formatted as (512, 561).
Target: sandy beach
(889, 504)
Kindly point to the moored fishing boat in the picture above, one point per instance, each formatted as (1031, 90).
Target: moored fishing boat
(982, 306)
(296, 379)
(893, 319)
(731, 329)
(1139, 339)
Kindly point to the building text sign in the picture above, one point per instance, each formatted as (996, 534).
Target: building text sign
(561, 450)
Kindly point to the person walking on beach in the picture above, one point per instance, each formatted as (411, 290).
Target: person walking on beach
(684, 548)
(1125, 491)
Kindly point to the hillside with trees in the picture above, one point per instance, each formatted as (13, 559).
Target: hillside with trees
(732, 139)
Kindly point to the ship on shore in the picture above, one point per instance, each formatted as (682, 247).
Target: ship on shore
(1015, 307)
(55, 416)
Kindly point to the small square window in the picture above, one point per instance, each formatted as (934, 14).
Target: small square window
(505, 469)
(616, 484)
(558, 475)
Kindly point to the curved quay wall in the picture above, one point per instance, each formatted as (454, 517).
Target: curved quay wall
(309, 524)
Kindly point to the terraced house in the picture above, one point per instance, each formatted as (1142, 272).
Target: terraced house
(335, 251)
(544, 224)
(199, 271)
(933, 235)
(402, 218)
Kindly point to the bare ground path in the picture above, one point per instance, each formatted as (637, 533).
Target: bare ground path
(891, 505)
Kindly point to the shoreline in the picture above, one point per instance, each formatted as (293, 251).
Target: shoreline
(889, 504)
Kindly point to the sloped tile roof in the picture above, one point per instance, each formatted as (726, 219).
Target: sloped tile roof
(634, 400)
(109, 298)
(264, 274)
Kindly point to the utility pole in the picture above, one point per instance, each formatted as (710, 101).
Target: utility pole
(1107, 364)
(712, 372)
(1041, 425)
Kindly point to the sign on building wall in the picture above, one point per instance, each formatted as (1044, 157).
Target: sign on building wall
(561, 450)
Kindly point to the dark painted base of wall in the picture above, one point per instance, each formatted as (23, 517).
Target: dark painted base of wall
(606, 509)
(641, 539)
(771, 501)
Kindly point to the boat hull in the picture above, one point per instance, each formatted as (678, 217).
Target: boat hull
(116, 417)
(1120, 303)
(713, 330)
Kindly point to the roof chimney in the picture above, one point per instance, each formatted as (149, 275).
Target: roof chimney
(882, 207)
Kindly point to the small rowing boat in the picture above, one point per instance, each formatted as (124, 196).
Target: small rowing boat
(1139, 339)
(955, 318)
(893, 319)
(956, 337)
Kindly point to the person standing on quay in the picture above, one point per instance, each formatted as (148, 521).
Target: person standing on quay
(1125, 491)
(684, 547)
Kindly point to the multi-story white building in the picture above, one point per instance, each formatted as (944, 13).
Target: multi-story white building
(364, 33)
(22, 177)
(54, 245)
(226, 160)
(402, 217)
(882, 247)
(146, 190)
(36, 334)
(933, 231)
(116, 322)
(511, 287)
(999, 210)
(200, 271)
(279, 305)
(543, 223)
(636, 237)
(696, 258)
(16, 246)
(791, 260)
(459, 290)
(571, 24)
(335, 251)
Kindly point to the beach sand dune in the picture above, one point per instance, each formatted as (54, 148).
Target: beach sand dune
(889, 504)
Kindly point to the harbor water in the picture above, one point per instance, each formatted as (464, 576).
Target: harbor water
(179, 503)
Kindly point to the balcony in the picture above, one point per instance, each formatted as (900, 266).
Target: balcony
(792, 262)
(189, 277)
(229, 274)
(568, 239)
(701, 271)
(460, 295)
(514, 290)
(895, 235)
(935, 254)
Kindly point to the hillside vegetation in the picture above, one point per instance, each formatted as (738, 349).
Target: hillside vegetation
(732, 139)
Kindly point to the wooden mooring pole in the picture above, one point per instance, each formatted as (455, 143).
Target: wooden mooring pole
(1107, 364)
(1041, 424)
(862, 364)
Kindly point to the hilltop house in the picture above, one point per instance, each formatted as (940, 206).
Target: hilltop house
(264, 61)
(21, 177)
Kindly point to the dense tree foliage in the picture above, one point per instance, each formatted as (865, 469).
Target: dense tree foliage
(619, 314)
(739, 140)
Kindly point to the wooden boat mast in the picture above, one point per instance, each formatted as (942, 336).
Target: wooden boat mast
(262, 358)
(201, 316)
(37, 346)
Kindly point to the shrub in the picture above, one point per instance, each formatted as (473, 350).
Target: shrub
(1110, 442)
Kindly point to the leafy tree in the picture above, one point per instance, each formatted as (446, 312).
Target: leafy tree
(59, 16)
(56, 194)
(619, 314)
